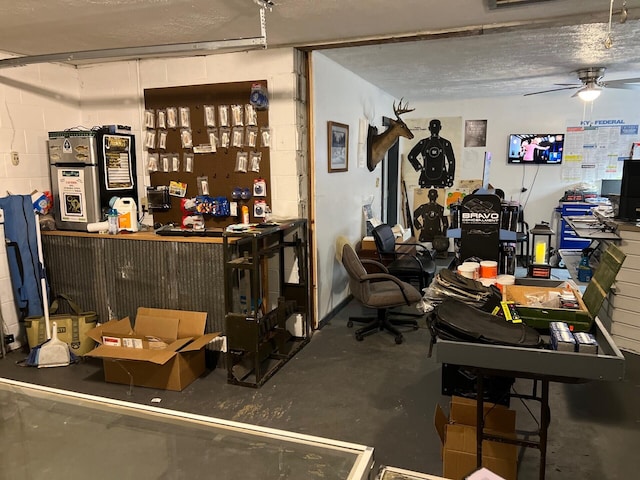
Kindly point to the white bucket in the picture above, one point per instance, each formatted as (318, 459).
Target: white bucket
(467, 270)
(487, 282)
(127, 214)
(475, 266)
(503, 280)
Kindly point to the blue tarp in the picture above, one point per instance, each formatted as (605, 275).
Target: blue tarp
(22, 252)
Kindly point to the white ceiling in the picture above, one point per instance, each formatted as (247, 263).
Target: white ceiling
(471, 50)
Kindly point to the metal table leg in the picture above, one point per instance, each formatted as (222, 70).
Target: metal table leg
(479, 418)
(545, 419)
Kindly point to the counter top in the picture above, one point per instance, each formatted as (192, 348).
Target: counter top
(148, 236)
(618, 224)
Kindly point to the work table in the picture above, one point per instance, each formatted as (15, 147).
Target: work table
(621, 309)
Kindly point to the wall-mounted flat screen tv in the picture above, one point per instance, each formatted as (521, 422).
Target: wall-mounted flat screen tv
(536, 148)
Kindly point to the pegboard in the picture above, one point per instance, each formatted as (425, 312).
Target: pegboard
(220, 166)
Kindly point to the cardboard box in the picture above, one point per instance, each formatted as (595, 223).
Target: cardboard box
(540, 316)
(170, 368)
(368, 243)
(457, 432)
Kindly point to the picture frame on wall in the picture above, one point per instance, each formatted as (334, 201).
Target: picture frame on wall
(338, 147)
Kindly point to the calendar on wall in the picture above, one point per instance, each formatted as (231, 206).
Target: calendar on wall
(595, 149)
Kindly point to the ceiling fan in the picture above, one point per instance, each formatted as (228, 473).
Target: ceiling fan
(592, 84)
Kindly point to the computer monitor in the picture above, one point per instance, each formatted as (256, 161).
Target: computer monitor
(610, 187)
(629, 209)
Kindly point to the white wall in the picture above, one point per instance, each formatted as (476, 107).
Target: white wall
(41, 98)
(33, 101)
(343, 97)
(114, 93)
(536, 114)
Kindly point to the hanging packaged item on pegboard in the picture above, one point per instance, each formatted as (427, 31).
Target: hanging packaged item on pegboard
(214, 206)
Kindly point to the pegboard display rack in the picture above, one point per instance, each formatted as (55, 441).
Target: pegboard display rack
(218, 167)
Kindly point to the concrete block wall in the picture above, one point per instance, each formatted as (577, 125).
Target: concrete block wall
(114, 93)
(33, 101)
(40, 98)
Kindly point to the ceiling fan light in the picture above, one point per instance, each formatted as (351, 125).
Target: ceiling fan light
(589, 94)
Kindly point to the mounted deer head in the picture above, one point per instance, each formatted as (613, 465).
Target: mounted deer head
(378, 144)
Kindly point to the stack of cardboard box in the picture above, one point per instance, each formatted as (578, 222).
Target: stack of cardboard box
(457, 432)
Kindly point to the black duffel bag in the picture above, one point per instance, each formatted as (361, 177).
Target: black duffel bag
(457, 321)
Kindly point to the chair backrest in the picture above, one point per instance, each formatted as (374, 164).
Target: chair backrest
(385, 239)
(341, 241)
(352, 264)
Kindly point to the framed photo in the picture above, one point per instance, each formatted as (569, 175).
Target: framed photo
(338, 135)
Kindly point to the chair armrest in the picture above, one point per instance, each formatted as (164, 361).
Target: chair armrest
(420, 249)
(374, 263)
(384, 276)
(419, 261)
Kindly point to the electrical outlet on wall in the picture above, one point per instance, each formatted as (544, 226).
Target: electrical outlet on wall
(15, 159)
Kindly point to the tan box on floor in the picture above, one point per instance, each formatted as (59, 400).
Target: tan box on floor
(368, 243)
(457, 432)
(165, 350)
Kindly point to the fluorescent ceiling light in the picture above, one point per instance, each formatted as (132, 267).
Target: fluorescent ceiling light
(589, 93)
(128, 53)
(153, 51)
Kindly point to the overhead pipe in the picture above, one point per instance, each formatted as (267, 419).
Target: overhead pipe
(153, 51)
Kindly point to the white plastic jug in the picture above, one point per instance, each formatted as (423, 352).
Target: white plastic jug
(127, 214)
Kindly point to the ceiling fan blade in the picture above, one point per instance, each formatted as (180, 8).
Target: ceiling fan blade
(626, 84)
(622, 81)
(552, 90)
(569, 84)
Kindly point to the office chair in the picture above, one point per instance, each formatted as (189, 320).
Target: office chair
(381, 291)
(409, 267)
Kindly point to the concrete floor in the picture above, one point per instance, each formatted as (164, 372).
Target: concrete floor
(383, 395)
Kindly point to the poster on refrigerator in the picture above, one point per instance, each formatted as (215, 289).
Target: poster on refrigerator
(71, 196)
(117, 162)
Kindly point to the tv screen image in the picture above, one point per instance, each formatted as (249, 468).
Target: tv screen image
(536, 148)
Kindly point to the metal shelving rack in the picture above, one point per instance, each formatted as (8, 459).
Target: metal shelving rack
(259, 341)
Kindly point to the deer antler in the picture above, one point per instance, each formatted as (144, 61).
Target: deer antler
(399, 110)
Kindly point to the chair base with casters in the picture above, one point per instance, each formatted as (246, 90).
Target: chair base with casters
(384, 322)
(380, 291)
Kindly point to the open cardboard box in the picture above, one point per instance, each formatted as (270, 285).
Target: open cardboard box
(580, 320)
(172, 367)
(457, 432)
(540, 316)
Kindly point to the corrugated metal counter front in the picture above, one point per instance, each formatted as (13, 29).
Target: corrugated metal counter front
(116, 274)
